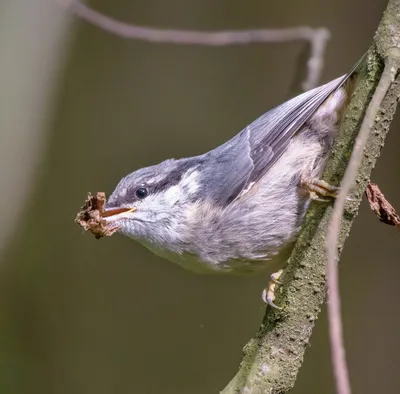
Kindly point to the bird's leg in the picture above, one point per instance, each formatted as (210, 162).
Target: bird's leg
(268, 294)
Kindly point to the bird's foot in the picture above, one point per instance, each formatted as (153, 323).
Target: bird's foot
(320, 190)
(268, 294)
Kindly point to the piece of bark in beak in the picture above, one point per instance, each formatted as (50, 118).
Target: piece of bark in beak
(90, 217)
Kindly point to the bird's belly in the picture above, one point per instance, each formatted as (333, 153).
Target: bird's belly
(194, 263)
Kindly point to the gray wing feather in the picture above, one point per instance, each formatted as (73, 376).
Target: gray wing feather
(250, 154)
(275, 129)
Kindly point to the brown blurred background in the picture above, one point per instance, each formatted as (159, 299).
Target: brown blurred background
(80, 108)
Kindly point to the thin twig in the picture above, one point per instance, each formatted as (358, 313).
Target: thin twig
(334, 312)
(316, 37)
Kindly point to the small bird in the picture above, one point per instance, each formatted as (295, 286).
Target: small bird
(239, 207)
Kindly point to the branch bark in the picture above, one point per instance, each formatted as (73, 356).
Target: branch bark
(392, 62)
(272, 359)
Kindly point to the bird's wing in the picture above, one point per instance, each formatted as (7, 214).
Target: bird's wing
(250, 154)
(271, 133)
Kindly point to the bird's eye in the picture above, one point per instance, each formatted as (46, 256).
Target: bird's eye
(141, 192)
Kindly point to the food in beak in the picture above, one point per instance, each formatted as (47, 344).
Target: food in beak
(92, 216)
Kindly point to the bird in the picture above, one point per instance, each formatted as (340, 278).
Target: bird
(239, 207)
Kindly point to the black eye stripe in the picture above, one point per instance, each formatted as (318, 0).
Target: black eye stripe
(174, 177)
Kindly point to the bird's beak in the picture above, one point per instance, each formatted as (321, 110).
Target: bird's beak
(116, 211)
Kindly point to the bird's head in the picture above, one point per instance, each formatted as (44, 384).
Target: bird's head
(153, 204)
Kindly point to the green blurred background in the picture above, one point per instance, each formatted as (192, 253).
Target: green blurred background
(79, 109)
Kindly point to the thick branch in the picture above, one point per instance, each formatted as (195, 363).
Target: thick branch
(387, 41)
(334, 312)
(272, 359)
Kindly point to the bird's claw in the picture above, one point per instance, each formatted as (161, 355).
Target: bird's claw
(319, 189)
(268, 294)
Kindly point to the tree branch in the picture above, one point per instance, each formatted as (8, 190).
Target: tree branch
(334, 313)
(317, 38)
(388, 42)
(272, 359)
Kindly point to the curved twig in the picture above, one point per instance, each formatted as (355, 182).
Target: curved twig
(316, 37)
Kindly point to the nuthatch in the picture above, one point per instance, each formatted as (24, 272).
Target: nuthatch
(239, 207)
